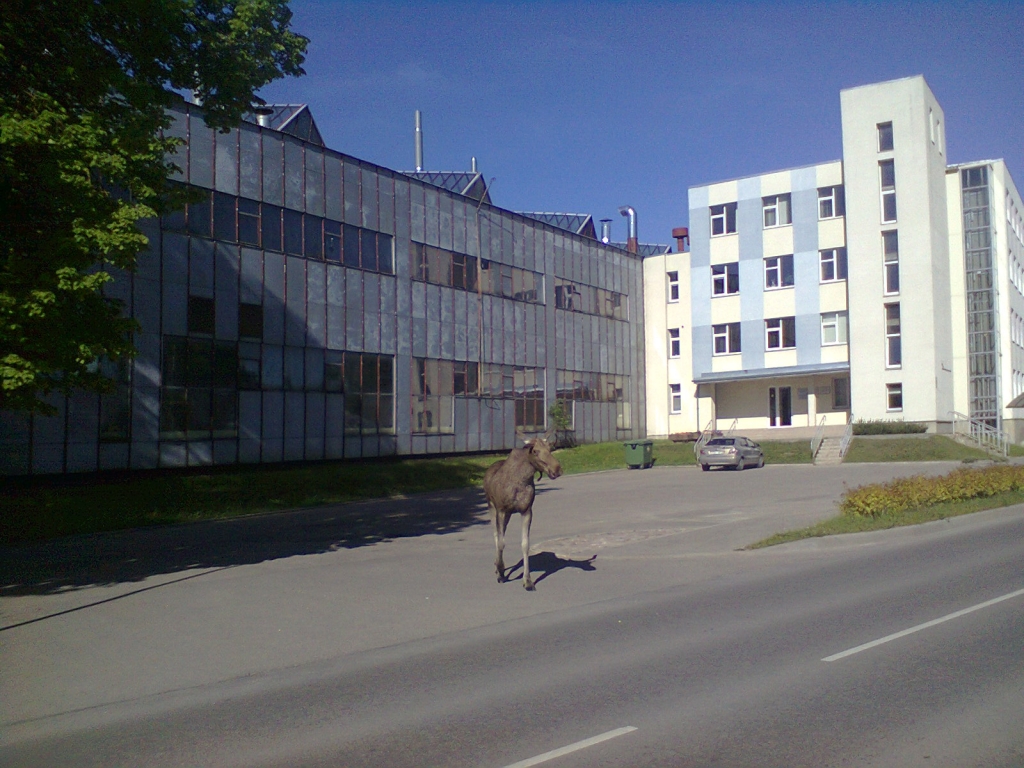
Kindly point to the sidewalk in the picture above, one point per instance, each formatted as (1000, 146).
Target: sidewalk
(117, 617)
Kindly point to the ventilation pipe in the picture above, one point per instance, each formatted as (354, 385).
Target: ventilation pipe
(263, 115)
(472, 166)
(682, 236)
(632, 244)
(606, 230)
(419, 141)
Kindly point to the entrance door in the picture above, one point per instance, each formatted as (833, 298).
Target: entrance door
(780, 406)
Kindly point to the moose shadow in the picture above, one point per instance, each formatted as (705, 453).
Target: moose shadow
(548, 563)
(133, 555)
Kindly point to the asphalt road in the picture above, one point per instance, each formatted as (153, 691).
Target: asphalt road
(374, 635)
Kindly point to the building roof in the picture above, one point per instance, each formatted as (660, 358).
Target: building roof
(789, 371)
(293, 119)
(467, 183)
(646, 249)
(578, 223)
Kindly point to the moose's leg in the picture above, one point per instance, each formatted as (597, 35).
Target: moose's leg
(500, 523)
(527, 579)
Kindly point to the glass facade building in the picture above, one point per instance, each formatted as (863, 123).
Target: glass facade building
(309, 305)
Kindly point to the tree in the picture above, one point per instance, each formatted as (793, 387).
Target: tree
(86, 84)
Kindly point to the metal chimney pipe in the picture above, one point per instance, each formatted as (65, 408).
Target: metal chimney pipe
(606, 230)
(419, 141)
(632, 244)
(472, 166)
(263, 116)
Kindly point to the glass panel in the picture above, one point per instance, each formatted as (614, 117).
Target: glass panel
(368, 244)
(248, 221)
(313, 244)
(292, 232)
(271, 223)
(351, 249)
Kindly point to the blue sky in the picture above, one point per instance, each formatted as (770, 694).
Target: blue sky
(584, 107)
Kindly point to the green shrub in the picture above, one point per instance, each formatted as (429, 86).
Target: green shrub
(919, 491)
(881, 427)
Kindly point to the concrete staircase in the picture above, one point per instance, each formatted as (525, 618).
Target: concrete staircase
(828, 453)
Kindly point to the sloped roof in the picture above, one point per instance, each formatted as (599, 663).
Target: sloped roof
(465, 183)
(579, 223)
(647, 249)
(293, 119)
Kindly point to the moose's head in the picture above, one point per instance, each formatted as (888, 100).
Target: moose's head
(539, 453)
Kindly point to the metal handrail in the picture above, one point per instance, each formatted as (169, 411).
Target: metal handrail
(732, 427)
(847, 438)
(703, 437)
(984, 436)
(819, 437)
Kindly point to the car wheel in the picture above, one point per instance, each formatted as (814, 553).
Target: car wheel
(760, 462)
(705, 467)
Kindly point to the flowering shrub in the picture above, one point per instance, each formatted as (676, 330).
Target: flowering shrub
(919, 491)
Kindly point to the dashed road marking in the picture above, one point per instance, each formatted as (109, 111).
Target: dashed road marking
(572, 747)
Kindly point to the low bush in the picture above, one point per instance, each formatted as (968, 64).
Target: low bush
(880, 427)
(905, 493)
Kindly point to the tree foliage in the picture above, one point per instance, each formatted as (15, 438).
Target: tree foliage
(83, 158)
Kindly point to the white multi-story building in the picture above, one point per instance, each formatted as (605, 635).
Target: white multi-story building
(879, 286)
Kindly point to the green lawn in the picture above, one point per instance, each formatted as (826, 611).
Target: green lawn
(929, 448)
(861, 524)
(43, 508)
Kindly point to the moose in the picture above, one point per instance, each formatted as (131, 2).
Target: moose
(508, 486)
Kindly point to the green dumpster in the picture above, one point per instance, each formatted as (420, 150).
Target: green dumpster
(639, 454)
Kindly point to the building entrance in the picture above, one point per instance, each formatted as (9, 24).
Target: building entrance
(780, 406)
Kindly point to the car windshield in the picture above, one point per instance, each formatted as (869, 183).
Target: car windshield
(722, 441)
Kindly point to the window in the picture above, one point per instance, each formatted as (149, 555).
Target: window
(116, 405)
(673, 286)
(725, 279)
(433, 401)
(840, 394)
(200, 316)
(675, 392)
(674, 343)
(723, 219)
(576, 297)
(780, 333)
(198, 389)
(250, 321)
(885, 137)
(894, 397)
(831, 202)
(778, 272)
(833, 264)
(726, 338)
(776, 211)
(887, 179)
(368, 383)
(248, 221)
(891, 259)
(833, 328)
(893, 350)
(459, 270)
(589, 386)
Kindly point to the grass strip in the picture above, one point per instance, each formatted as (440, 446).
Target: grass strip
(930, 448)
(862, 524)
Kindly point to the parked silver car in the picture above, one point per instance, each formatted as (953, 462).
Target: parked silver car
(733, 452)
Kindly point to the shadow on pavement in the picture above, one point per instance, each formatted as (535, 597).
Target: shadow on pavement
(133, 555)
(547, 563)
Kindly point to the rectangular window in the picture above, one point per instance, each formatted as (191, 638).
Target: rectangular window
(248, 221)
(891, 260)
(673, 287)
(250, 321)
(887, 180)
(200, 316)
(831, 202)
(885, 137)
(893, 346)
(292, 232)
(270, 227)
(725, 279)
(840, 394)
(726, 338)
(776, 211)
(198, 389)
(332, 240)
(314, 237)
(778, 272)
(368, 382)
(675, 398)
(834, 328)
(200, 219)
(674, 343)
(833, 264)
(780, 333)
(723, 219)
(894, 397)
(224, 222)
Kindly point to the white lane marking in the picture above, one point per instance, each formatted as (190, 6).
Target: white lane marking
(919, 627)
(572, 747)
